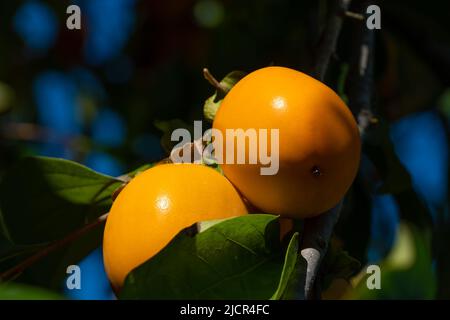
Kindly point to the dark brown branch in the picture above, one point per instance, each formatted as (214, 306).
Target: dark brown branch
(58, 244)
(318, 230)
(327, 45)
(360, 79)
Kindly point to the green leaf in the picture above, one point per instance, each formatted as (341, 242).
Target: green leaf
(15, 291)
(43, 199)
(406, 273)
(444, 103)
(338, 264)
(140, 169)
(205, 225)
(10, 251)
(239, 258)
(293, 276)
(167, 127)
(231, 79)
(212, 104)
(6, 97)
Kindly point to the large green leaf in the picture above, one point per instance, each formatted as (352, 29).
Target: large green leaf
(65, 196)
(337, 264)
(239, 258)
(15, 291)
(43, 199)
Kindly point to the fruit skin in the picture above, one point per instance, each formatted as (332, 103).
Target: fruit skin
(155, 206)
(316, 130)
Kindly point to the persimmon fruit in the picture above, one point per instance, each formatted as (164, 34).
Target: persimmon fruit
(155, 206)
(319, 142)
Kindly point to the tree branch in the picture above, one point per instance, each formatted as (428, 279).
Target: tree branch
(317, 234)
(318, 230)
(327, 45)
(360, 79)
(58, 244)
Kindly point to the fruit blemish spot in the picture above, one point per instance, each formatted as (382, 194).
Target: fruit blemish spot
(316, 171)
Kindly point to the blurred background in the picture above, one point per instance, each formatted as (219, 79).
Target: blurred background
(103, 95)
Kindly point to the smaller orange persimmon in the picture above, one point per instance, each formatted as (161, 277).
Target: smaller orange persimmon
(156, 205)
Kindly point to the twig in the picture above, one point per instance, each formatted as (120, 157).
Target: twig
(327, 45)
(317, 234)
(213, 81)
(354, 15)
(360, 79)
(18, 269)
(318, 230)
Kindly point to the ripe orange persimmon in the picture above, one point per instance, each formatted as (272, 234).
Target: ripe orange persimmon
(156, 205)
(319, 143)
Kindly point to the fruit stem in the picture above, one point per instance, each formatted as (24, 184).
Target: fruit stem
(213, 81)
